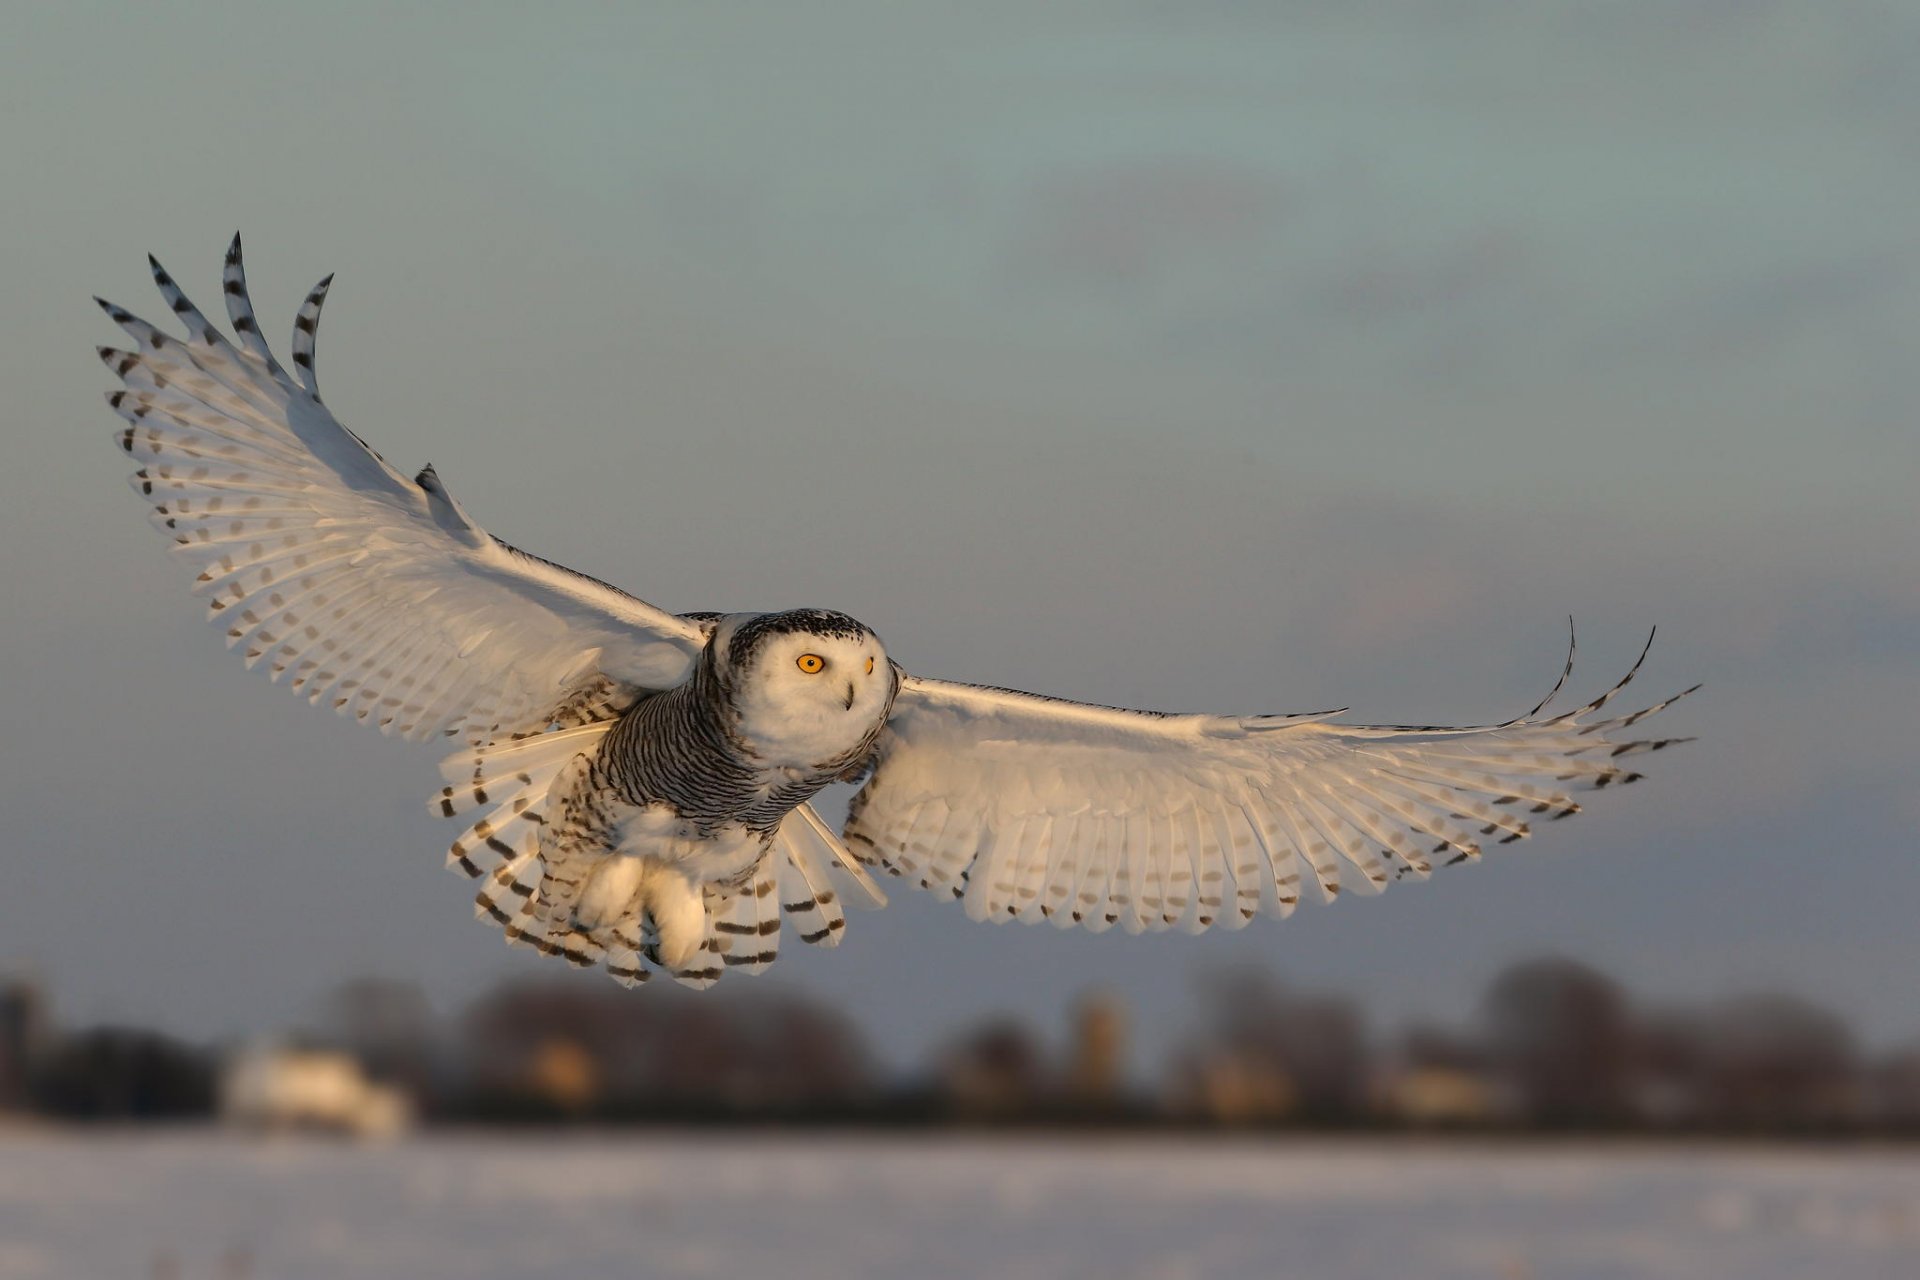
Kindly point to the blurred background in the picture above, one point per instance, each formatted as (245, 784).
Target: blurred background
(1223, 357)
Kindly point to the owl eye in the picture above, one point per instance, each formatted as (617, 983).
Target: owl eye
(811, 663)
(869, 666)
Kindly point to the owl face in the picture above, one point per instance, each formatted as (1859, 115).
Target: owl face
(808, 687)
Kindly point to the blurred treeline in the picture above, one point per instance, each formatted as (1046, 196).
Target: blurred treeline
(1554, 1045)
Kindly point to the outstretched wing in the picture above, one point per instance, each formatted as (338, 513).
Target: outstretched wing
(361, 588)
(1035, 808)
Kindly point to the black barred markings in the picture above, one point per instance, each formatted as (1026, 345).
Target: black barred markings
(306, 327)
(762, 929)
(1423, 787)
(677, 748)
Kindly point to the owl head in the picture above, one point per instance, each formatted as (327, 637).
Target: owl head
(808, 688)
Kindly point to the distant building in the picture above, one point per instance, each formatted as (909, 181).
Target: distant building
(1438, 1077)
(1224, 1086)
(275, 1088)
(390, 1030)
(561, 1074)
(1437, 1095)
(1096, 1069)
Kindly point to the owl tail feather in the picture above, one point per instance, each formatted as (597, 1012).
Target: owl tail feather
(513, 783)
(515, 786)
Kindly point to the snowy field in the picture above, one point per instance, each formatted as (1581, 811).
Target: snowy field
(487, 1207)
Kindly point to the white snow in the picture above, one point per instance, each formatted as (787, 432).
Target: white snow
(497, 1206)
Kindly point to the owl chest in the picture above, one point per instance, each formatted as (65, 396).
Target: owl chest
(666, 760)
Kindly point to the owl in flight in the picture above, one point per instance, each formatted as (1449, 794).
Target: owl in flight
(635, 783)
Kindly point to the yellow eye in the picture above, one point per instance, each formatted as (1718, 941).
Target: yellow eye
(811, 663)
(869, 666)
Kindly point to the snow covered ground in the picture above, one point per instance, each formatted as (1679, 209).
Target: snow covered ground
(493, 1207)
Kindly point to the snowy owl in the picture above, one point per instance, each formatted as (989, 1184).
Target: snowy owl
(635, 784)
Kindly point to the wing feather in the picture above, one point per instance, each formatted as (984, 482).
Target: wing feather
(320, 562)
(1039, 809)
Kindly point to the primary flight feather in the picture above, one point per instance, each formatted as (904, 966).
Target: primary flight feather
(635, 783)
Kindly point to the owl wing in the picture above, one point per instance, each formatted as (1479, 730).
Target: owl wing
(1036, 808)
(360, 587)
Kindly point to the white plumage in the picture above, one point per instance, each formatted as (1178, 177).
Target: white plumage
(640, 779)
(1033, 808)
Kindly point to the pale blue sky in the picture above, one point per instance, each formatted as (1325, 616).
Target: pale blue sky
(1213, 357)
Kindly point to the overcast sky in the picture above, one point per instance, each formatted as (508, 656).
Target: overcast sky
(1226, 357)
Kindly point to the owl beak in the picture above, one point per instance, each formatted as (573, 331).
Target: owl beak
(849, 695)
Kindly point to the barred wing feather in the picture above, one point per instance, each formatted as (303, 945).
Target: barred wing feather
(1035, 808)
(362, 588)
